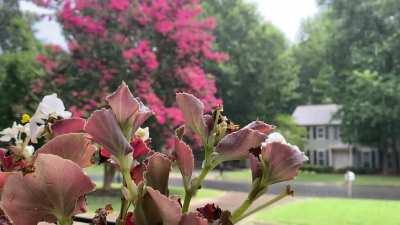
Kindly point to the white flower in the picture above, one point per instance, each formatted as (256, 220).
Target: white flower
(30, 149)
(11, 132)
(276, 137)
(50, 106)
(143, 133)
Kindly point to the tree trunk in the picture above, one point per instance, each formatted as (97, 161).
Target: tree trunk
(109, 172)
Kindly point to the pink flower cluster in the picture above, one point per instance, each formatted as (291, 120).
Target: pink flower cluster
(86, 23)
(144, 54)
(157, 46)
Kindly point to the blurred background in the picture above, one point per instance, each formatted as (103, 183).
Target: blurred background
(325, 72)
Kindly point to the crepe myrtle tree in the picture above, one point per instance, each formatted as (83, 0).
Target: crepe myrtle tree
(157, 46)
(48, 185)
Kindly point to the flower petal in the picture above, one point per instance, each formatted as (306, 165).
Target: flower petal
(184, 157)
(123, 104)
(283, 160)
(236, 145)
(74, 146)
(170, 210)
(157, 174)
(73, 125)
(193, 110)
(104, 129)
(53, 189)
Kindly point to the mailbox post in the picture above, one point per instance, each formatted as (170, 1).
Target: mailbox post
(349, 178)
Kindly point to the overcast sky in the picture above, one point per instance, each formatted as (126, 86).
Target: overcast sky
(285, 14)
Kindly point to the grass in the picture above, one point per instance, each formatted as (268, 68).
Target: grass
(95, 202)
(337, 179)
(331, 211)
(97, 170)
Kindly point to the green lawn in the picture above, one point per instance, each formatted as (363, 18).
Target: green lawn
(332, 211)
(245, 176)
(95, 202)
(95, 170)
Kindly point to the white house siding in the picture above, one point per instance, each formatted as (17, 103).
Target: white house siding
(324, 146)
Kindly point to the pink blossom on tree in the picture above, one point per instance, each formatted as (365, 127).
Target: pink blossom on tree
(157, 46)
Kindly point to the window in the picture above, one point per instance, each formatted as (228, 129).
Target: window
(308, 132)
(320, 132)
(314, 132)
(314, 157)
(321, 158)
(337, 133)
(307, 152)
(327, 133)
(367, 160)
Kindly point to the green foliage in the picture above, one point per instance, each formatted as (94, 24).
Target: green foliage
(350, 55)
(290, 130)
(311, 55)
(15, 31)
(16, 72)
(18, 49)
(260, 77)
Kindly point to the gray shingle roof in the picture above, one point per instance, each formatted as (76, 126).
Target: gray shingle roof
(316, 114)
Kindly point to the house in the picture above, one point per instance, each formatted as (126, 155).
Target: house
(325, 146)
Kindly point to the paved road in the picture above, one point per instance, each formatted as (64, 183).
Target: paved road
(307, 189)
(302, 189)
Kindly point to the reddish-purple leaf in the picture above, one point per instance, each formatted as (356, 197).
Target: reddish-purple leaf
(7, 162)
(157, 174)
(56, 188)
(137, 173)
(211, 212)
(169, 210)
(74, 146)
(283, 160)
(141, 116)
(236, 145)
(260, 126)
(73, 125)
(140, 148)
(3, 178)
(184, 157)
(255, 166)
(193, 219)
(193, 110)
(123, 104)
(104, 129)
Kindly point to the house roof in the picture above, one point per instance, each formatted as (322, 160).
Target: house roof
(306, 115)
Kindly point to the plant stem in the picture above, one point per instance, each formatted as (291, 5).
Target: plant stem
(195, 186)
(129, 185)
(236, 218)
(123, 211)
(186, 202)
(242, 209)
(132, 189)
(65, 221)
